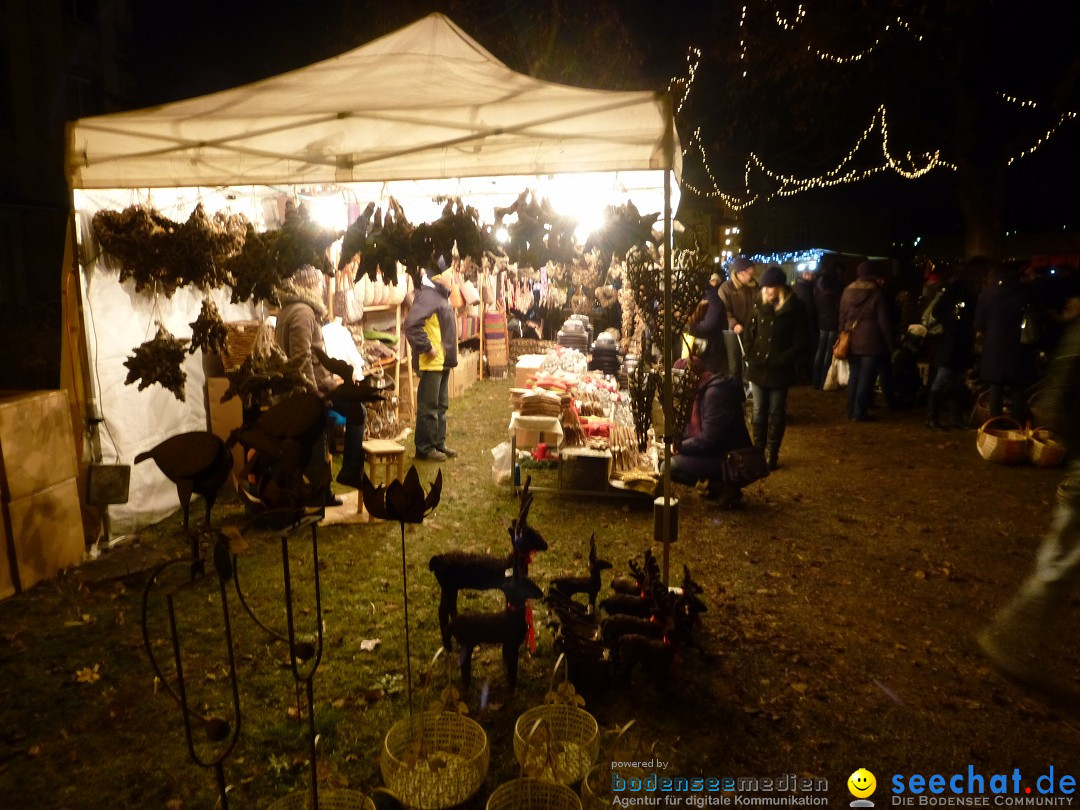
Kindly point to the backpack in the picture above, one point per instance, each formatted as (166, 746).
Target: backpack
(932, 324)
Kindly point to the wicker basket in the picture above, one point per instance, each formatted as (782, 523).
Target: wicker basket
(1002, 441)
(437, 758)
(239, 340)
(451, 765)
(596, 792)
(1044, 448)
(533, 794)
(557, 741)
(328, 800)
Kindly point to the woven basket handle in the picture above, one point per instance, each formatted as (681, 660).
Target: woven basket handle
(1012, 423)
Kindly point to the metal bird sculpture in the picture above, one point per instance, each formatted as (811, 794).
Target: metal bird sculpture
(198, 462)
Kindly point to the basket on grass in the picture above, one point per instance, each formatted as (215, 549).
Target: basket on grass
(328, 800)
(565, 739)
(596, 789)
(528, 792)
(1002, 441)
(439, 757)
(1044, 448)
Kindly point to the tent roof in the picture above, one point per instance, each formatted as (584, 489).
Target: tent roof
(426, 101)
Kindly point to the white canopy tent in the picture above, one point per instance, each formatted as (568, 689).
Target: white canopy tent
(421, 112)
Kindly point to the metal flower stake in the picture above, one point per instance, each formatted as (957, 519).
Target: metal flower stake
(221, 730)
(406, 502)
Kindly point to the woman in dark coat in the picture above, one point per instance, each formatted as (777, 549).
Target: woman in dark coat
(717, 425)
(953, 350)
(827, 291)
(774, 340)
(710, 328)
(864, 310)
(1006, 365)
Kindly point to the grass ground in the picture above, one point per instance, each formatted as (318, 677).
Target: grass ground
(842, 604)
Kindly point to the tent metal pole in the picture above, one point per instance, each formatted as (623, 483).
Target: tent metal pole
(668, 326)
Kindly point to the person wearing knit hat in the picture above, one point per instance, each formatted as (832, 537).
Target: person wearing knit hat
(739, 293)
(774, 341)
(431, 329)
(298, 331)
(864, 312)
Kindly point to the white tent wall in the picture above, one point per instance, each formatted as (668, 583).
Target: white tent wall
(420, 113)
(117, 320)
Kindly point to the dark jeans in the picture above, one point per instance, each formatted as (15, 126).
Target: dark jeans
(823, 356)
(352, 460)
(432, 402)
(1018, 409)
(864, 371)
(770, 406)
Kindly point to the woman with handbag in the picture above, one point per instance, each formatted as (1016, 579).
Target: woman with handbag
(774, 341)
(716, 427)
(864, 313)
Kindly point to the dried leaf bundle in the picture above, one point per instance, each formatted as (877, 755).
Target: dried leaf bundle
(208, 331)
(160, 360)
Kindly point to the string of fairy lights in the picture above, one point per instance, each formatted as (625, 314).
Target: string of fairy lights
(910, 167)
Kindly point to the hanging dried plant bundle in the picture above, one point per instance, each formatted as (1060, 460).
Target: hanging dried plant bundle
(154, 250)
(265, 374)
(355, 236)
(208, 331)
(684, 385)
(388, 242)
(255, 275)
(197, 250)
(624, 229)
(643, 279)
(160, 360)
(132, 242)
(643, 380)
(302, 241)
(689, 278)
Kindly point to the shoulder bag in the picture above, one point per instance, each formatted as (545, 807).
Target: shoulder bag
(745, 466)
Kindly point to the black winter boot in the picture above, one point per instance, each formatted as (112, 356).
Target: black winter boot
(758, 431)
(772, 446)
(933, 403)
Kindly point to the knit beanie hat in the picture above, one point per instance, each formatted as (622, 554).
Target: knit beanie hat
(307, 276)
(739, 264)
(866, 269)
(773, 277)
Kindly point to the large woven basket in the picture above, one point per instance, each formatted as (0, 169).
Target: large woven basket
(328, 800)
(626, 754)
(1044, 448)
(239, 340)
(1002, 441)
(451, 764)
(533, 794)
(558, 741)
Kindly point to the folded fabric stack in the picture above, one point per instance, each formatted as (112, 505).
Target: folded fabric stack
(541, 403)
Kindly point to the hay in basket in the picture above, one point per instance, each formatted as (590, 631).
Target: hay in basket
(439, 757)
(533, 794)
(565, 739)
(627, 752)
(1044, 448)
(1002, 441)
(328, 800)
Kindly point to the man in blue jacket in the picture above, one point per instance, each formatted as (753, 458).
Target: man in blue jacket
(431, 330)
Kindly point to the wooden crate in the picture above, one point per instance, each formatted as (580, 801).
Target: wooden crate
(46, 532)
(37, 445)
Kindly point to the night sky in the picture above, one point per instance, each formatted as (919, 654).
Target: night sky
(799, 123)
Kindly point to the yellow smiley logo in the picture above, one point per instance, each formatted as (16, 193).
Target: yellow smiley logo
(861, 783)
